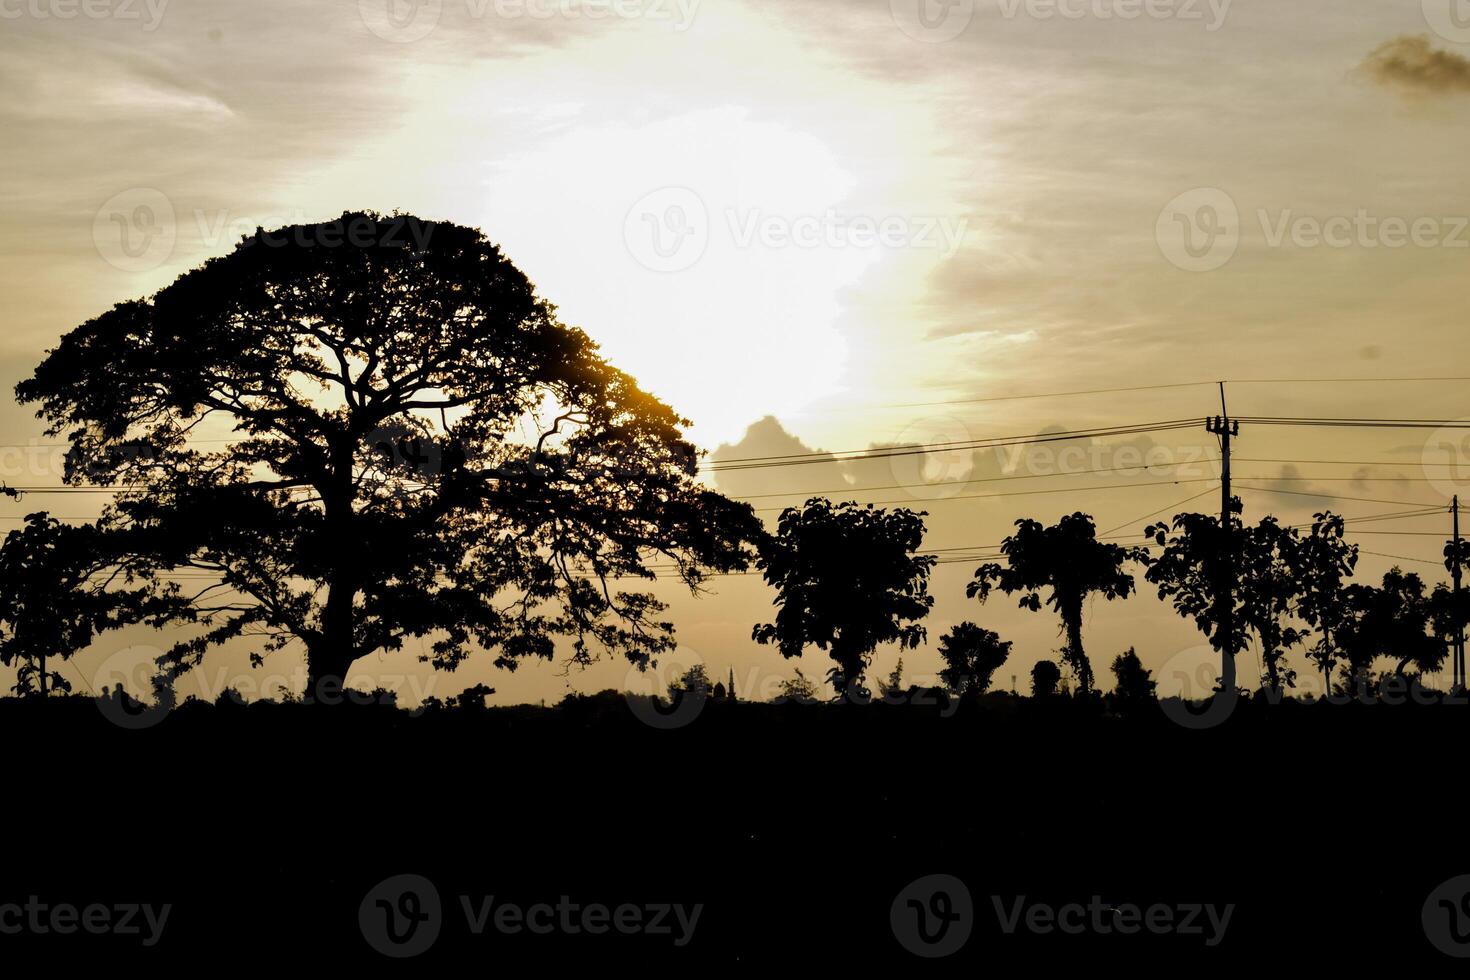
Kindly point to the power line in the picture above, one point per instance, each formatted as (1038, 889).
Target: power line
(1379, 554)
(1328, 495)
(1157, 512)
(1052, 394)
(853, 455)
(1160, 387)
(1361, 423)
(1018, 493)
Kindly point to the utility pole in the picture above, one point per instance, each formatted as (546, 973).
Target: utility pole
(1223, 427)
(1458, 656)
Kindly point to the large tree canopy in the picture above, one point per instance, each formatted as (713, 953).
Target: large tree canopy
(373, 429)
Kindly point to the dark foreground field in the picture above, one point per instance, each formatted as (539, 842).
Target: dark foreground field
(268, 830)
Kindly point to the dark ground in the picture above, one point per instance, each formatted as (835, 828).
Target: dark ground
(796, 827)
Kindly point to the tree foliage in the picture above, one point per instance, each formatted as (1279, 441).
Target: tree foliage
(846, 579)
(1394, 620)
(1133, 682)
(1323, 562)
(1071, 564)
(57, 593)
(1045, 676)
(971, 657)
(389, 439)
(1191, 571)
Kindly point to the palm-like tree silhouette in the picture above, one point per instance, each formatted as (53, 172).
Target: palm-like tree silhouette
(1068, 560)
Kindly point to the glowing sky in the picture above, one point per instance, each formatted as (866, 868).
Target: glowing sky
(820, 212)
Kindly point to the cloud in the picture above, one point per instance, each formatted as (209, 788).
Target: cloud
(767, 442)
(1408, 62)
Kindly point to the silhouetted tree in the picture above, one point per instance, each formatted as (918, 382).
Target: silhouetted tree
(693, 681)
(1321, 563)
(799, 689)
(1133, 682)
(1390, 620)
(1191, 570)
(846, 580)
(892, 688)
(57, 594)
(411, 445)
(1449, 614)
(1067, 559)
(971, 657)
(1045, 677)
(1270, 591)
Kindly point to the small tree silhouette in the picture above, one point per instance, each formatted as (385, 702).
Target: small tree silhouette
(799, 689)
(971, 657)
(1389, 620)
(1321, 563)
(1271, 590)
(846, 580)
(1045, 677)
(694, 681)
(1068, 560)
(1134, 684)
(55, 598)
(1192, 570)
(892, 688)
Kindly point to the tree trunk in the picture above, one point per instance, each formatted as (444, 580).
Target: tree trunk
(329, 660)
(1272, 656)
(1076, 656)
(326, 674)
